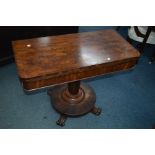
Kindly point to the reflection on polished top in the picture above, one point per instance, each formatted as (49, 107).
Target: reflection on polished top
(56, 55)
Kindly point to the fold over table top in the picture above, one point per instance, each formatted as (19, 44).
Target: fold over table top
(52, 60)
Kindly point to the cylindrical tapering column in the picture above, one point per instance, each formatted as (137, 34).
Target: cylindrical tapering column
(73, 87)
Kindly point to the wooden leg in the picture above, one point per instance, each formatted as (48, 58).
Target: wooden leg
(73, 87)
(61, 121)
(96, 111)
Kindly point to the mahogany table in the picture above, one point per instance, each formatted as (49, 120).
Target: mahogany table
(64, 60)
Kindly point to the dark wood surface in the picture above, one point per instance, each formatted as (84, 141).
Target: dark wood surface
(10, 33)
(61, 59)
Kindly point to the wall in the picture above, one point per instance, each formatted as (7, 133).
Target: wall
(94, 28)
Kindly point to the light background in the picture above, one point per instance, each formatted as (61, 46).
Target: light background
(79, 13)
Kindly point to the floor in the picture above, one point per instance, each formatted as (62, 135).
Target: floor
(127, 99)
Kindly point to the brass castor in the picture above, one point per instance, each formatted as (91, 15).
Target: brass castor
(96, 111)
(61, 121)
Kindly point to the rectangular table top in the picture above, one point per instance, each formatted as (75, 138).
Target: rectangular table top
(52, 60)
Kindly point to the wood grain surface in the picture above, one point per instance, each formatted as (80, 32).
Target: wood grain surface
(60, 59)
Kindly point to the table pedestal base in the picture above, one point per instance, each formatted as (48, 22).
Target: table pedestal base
(74, 99)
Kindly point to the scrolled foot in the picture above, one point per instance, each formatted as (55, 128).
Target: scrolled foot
(96, 111)
(61, 121)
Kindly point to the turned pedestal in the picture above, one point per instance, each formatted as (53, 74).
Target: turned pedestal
(73, 99)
